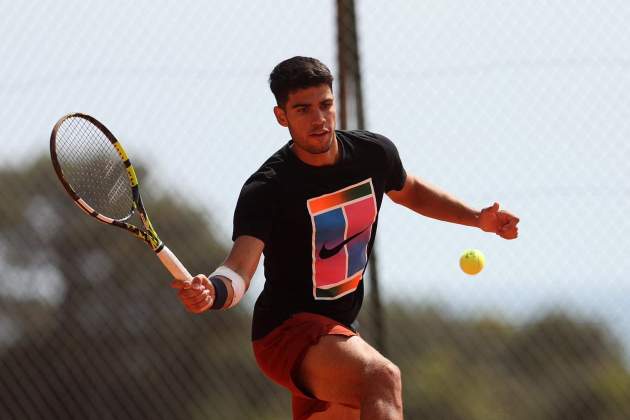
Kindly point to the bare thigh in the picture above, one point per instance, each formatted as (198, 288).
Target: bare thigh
(333, 369)
(337, 412)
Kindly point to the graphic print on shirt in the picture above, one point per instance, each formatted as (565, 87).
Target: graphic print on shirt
(342, 227)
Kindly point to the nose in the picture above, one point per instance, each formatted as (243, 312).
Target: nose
(319, 118)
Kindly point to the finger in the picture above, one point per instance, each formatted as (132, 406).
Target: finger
(493, 208)
(507, 215)
(509, 234)
(201, 306)
(196, 299)
(203, 284)
(196, 282)
(189, 293)
(180, 284)
(508, 225)
(206, 283)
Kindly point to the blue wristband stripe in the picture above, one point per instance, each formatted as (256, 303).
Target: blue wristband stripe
(220, 292)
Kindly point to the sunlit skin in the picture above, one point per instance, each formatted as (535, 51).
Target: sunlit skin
(310, 116)
(357, 380)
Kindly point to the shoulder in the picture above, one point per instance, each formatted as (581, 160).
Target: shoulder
(266, 177)
(369, 140)
(367, 137)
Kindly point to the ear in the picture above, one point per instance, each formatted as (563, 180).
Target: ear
(281, 116)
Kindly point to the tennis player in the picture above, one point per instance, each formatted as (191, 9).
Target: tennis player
(312, 210)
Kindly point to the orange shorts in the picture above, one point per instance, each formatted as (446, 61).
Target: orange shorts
(280, 353)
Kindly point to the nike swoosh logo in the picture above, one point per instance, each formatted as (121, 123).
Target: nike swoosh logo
(329, 252)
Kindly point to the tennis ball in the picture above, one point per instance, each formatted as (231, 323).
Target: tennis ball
(472, 261)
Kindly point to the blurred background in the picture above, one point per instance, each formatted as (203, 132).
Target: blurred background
(524, 103)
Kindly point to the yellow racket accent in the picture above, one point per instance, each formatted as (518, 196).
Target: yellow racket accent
(80, 141)
(121, 151)
(131, 173)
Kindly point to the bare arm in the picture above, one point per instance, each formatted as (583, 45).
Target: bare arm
(431, 201)
(199, 294)
(244, 257)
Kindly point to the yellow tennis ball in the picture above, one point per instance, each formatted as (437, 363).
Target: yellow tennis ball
(472, 261)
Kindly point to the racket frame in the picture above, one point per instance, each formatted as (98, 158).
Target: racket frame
(149, 234)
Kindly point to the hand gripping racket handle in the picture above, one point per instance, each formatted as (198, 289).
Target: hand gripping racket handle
(173, 265)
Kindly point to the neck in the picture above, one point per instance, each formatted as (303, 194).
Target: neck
(327, 158)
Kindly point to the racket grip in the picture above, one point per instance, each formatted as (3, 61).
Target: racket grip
(173, 265)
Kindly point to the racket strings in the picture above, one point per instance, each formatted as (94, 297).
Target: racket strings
(93, 168)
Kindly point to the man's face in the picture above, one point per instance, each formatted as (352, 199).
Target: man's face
(310, 116)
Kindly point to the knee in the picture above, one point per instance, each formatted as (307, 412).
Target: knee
(382, 377)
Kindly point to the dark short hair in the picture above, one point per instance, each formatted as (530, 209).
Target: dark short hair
(297, 73)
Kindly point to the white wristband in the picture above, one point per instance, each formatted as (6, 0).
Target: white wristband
(238, 284)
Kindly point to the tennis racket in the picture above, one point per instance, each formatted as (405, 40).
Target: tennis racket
(95, 170)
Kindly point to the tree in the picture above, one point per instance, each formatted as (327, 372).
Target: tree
(93, 328)
(556, 367)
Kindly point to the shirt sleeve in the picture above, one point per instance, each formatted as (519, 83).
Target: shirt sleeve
(396, 175)
(254, 210)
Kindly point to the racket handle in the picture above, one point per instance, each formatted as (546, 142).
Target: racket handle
(173, 265)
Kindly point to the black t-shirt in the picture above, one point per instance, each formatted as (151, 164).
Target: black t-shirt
(318, 225)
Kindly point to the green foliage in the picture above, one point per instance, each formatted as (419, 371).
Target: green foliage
(552, 368)
(91, 328)
(115, 341)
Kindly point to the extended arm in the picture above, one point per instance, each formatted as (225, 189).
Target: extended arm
(219, 290)
(431, 201)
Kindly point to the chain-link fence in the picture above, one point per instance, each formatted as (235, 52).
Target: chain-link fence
(525, 103)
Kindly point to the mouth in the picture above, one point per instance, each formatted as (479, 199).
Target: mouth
(321, 134)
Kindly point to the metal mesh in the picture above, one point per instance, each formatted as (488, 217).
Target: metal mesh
(525, 103)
